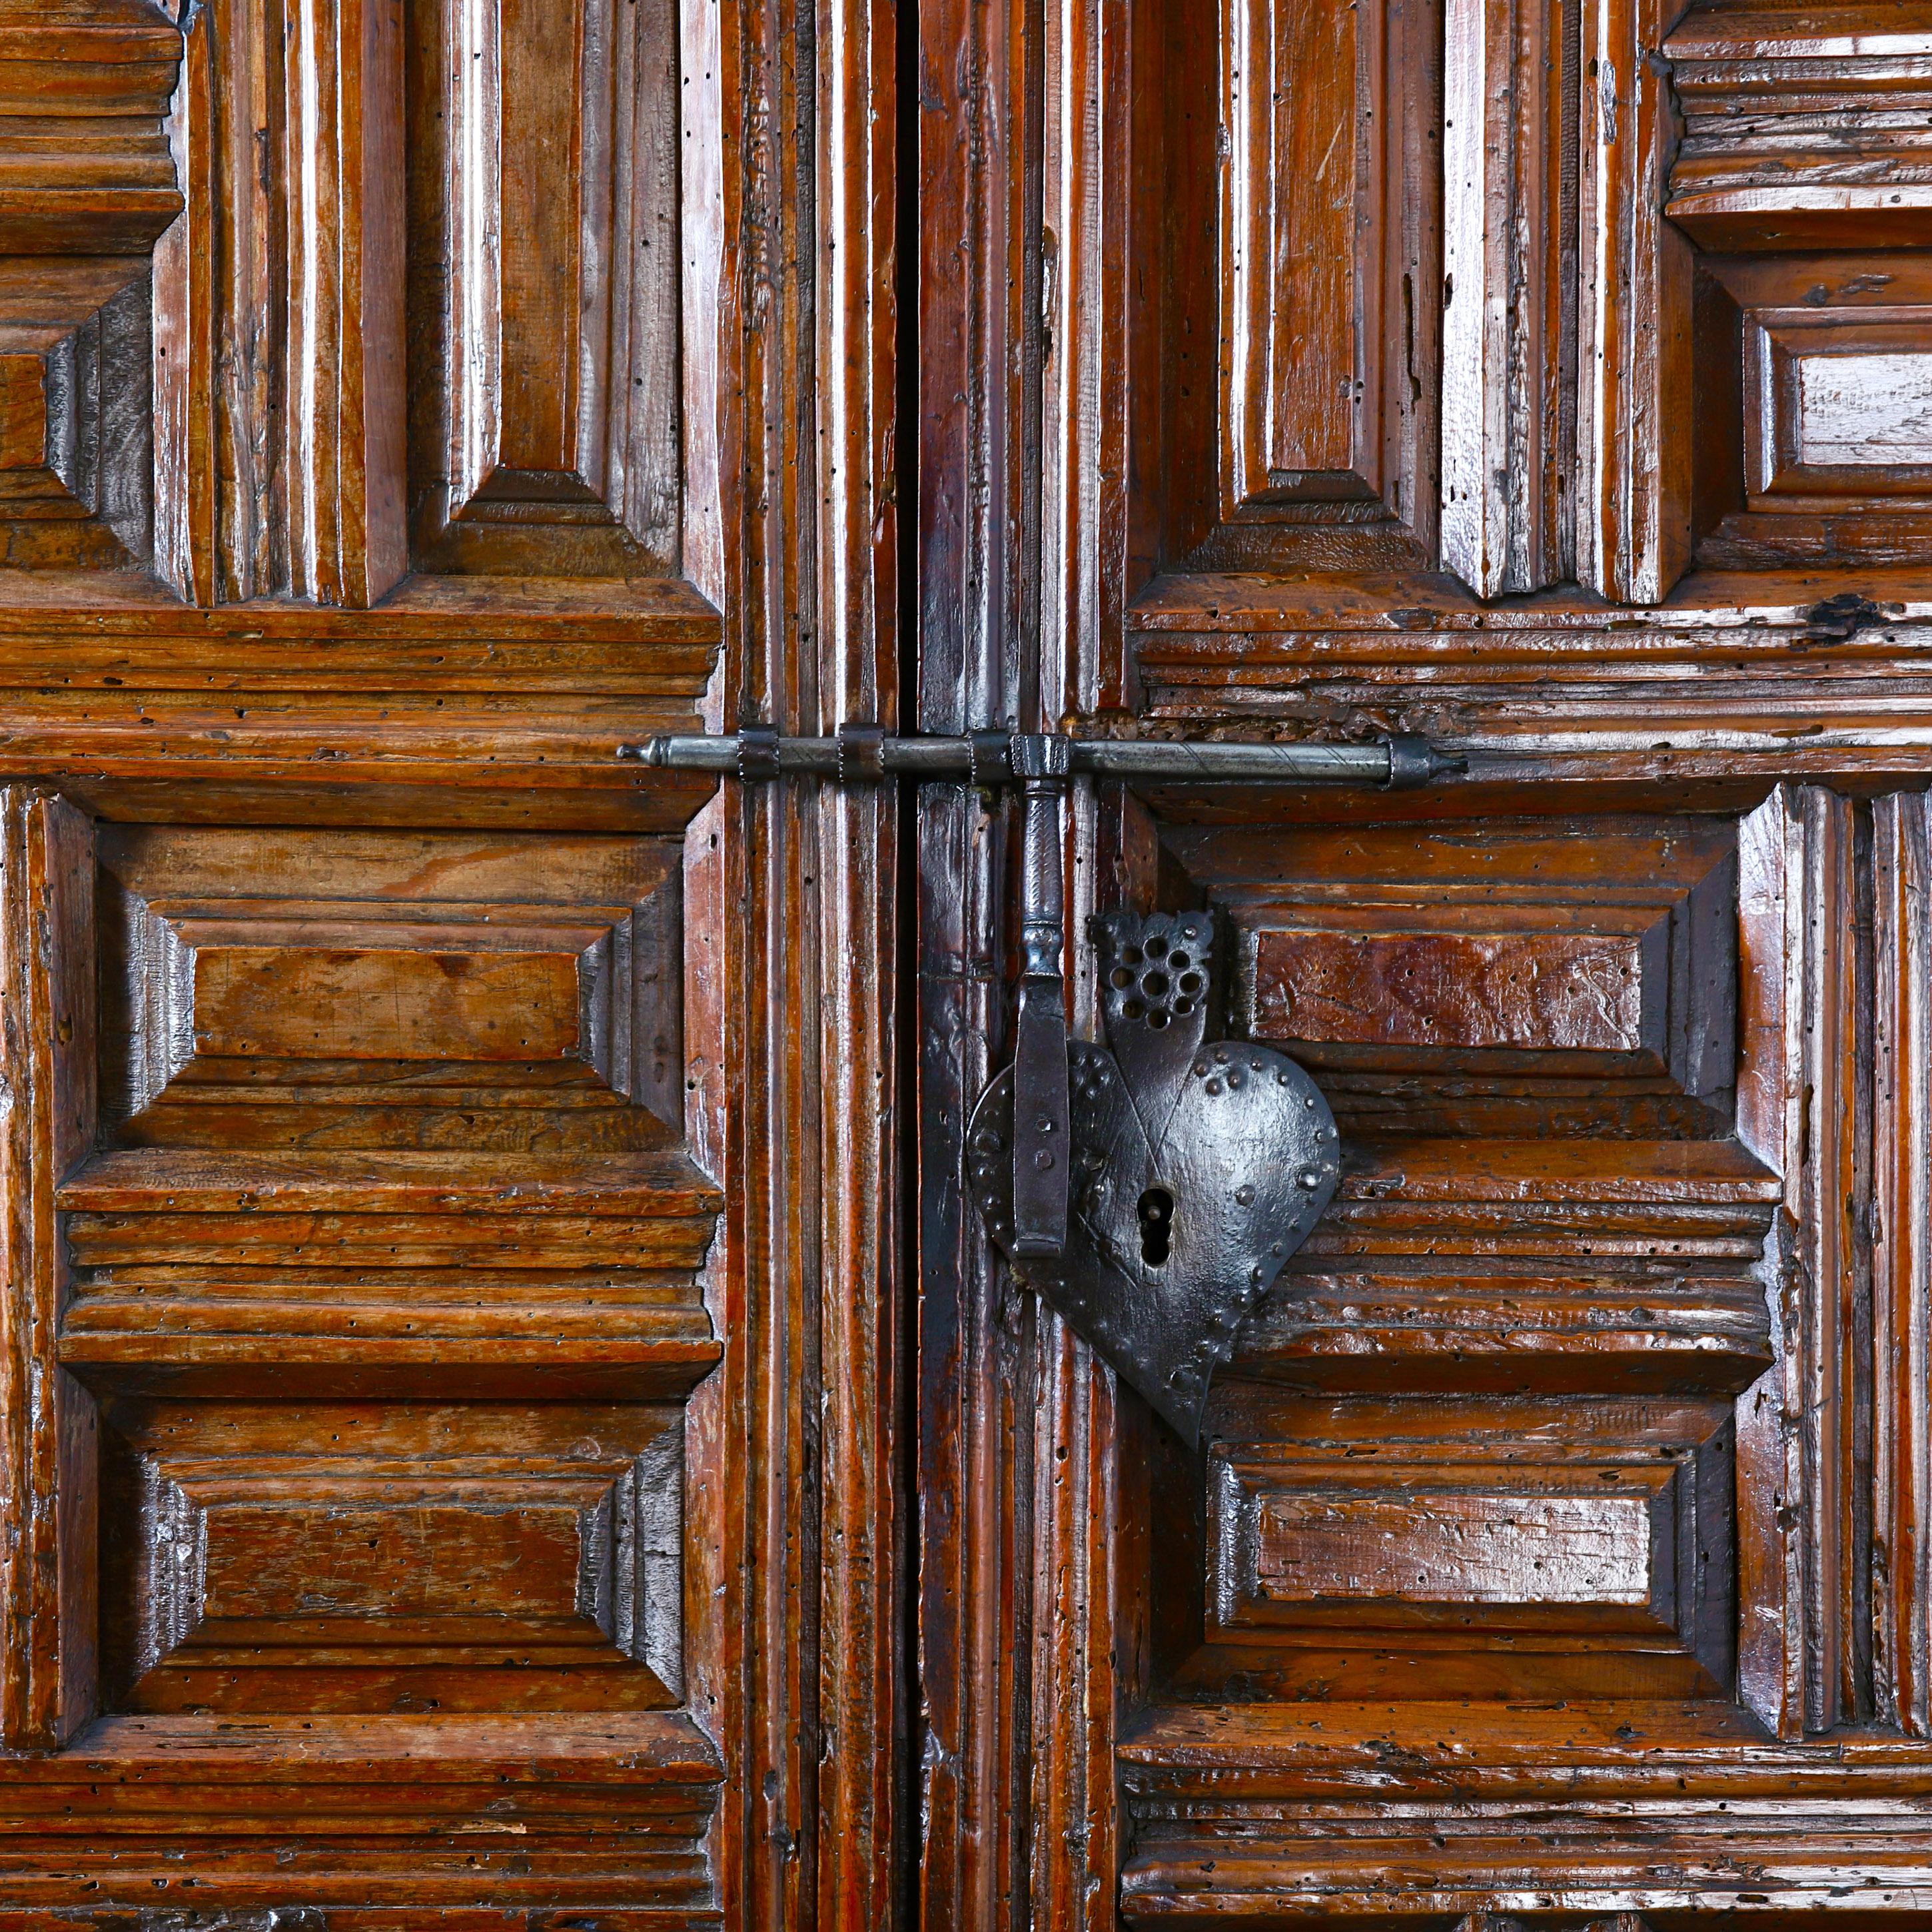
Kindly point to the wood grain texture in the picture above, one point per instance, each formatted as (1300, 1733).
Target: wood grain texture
(47, 1027)
(1508, 320)
(1800, 133)
(280, 382)
(1901, 1213)
(1798, 1081)
(1634, 317)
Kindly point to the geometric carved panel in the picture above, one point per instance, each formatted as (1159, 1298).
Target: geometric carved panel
(1327, 283)
(1404, 1549)
(1445, 1542)
(348, 993)
(544, 309)
(1497, 980)
(346, 1557)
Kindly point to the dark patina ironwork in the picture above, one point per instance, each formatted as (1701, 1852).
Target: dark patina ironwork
(1151, 1188)
(1197, 1168)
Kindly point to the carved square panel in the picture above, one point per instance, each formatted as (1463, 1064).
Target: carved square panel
(1816, 439)
(1497, 980)
(392, 990)
(358, 1557)
(1402, 1549)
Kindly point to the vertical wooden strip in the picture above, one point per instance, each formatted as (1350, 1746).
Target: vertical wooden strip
(184, 312)
(1797, 1096)
(862, 1620)
(279, 367)
(1249, 221)
(976, 64)
(1326, 149)
(1902, 1263)
(341, 117)
(1504, 357)
(47, 1036)
(1085, 380)
(1634, 317)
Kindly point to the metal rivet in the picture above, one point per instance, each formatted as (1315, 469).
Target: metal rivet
(1213, 1086)
(1045, 1124)
(1233, 1080)
(1043, 1160)
(1200, 1067)
(1220, 1056)
(1245, 1194)
(1307, 1178)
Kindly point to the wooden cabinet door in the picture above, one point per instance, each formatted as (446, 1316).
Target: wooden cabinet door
(440, 1159)
(1549, 377)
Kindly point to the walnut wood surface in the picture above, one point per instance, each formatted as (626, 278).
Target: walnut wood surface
(506, 1418)
(1624, 1029)
(449, 1348)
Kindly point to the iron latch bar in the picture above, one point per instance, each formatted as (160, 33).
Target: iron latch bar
(858, 753)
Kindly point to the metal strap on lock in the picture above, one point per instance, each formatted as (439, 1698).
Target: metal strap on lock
(1152, 1188)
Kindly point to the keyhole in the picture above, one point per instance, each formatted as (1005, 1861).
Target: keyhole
(1156, 1212)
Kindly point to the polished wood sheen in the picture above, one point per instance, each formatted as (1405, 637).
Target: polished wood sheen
(507, 1418)
(450, 1324)
(1547, 377)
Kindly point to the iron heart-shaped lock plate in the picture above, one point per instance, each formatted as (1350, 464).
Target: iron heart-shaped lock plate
(1195, 1167)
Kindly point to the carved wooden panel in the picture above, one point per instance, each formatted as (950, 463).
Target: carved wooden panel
(420, 1477)
(1508, 980)
(1588, 1536)
(366, 989)
(1552, 1406)
(543, 210)
(345, 1557)
(1322, 262)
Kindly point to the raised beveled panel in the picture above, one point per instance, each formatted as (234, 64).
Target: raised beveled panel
(1492, 1546)
(1327, 270)
(344, 1557)
(1839, 401)
(1517, 1268)
(375, 989)
(1495, 978)
(543, 231)
(1400, 1548)
(1813, 384)
(1472, 982)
